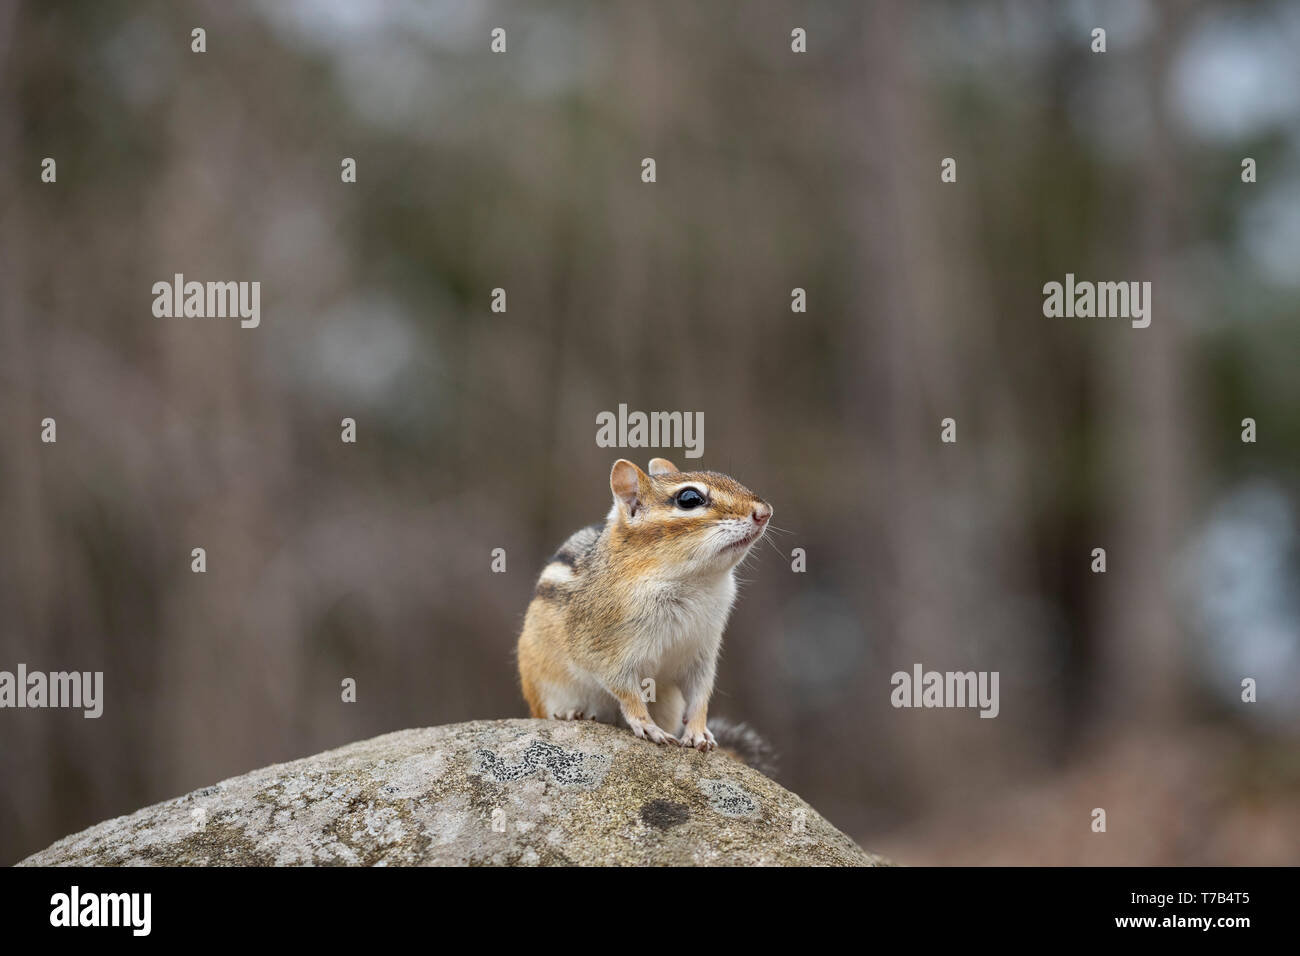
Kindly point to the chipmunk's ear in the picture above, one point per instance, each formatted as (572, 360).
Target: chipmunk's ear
(625, 481)
(662, 466)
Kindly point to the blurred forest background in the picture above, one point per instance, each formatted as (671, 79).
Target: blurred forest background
(476, 430)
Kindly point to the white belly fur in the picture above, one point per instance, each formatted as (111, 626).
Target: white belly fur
(679, 631)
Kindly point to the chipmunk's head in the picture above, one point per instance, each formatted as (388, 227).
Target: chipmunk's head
(684, 522)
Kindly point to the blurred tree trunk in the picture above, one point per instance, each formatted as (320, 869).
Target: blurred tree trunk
(1148, 387)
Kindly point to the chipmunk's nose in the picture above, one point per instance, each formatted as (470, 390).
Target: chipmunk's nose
(762, 511)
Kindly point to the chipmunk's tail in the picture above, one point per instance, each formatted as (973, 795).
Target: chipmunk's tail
(744, 743)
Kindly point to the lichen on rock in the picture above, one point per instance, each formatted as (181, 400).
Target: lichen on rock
(500, 792)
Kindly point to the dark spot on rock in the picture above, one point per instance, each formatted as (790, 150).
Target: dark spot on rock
(664, 814)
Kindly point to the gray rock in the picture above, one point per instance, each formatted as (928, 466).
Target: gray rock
(494, 792)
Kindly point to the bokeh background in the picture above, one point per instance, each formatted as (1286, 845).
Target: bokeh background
(477, 430)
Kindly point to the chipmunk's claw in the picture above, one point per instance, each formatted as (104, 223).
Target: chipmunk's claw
(702, 741)
(648, 730)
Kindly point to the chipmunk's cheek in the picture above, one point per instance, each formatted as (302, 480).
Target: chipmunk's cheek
(737, 544)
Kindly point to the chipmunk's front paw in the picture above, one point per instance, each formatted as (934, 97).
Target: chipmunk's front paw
(649, 730)
(702, 740)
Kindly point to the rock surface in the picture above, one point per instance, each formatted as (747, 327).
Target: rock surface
(505, 792)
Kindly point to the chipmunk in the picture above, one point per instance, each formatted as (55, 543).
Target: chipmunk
(643, 597)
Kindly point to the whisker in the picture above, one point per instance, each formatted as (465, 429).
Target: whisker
(774, 547)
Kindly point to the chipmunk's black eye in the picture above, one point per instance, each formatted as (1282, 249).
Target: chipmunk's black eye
(689, 498)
